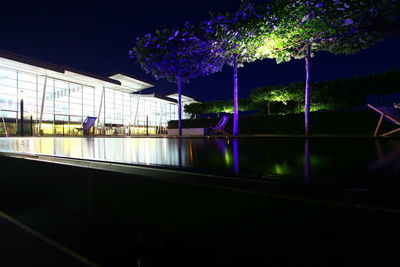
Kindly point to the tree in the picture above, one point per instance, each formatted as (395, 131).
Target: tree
(219, 106)
(176, 55)
(368, 22)
(304, 27)
(278, 93)
(300, 26)
(286, 99)
(235, 40)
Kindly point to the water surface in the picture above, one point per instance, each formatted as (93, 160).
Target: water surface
(260, 157)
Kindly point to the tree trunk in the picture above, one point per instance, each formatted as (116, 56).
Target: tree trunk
(269, 108)
(180, 104)
(235, 98)
(307, 96)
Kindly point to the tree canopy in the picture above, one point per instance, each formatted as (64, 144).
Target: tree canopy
(178, 56)
(172, 53)
(234, 36)
(282, 31)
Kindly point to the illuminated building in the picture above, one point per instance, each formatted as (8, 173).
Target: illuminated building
(55, 99)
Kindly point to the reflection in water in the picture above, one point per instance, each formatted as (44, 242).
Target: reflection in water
(306, 158)
(191, 152)
(222, 146)
(180, 152)
(388, 158)
(297, 158)
(236, 155)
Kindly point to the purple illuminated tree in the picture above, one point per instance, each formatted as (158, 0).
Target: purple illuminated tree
(176, 55)
(235, 40)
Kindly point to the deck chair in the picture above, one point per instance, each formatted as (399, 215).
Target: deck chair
(391, 114)
(86, 125)
(220, 127)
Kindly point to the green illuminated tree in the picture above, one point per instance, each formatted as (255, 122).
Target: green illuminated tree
(369, 22)
(219, 106)
(279, 93)
(303, 27)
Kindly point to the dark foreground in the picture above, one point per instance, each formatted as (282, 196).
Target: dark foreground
(125, 219)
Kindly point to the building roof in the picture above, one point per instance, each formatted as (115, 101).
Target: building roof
(50, 66)
(119, 81)
(129, 81)
(30, 61)
(153, 95)
(129, 75)
(185, 99)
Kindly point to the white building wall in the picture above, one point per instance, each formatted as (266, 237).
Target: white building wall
(68, 101)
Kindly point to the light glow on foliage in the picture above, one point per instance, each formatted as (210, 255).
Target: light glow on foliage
(284, 31)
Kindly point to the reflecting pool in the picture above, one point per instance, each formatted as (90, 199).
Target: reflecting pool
(297, 158)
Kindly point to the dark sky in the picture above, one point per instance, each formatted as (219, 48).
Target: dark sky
(96, 36)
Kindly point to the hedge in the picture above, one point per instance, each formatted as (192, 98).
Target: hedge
(287, 99)
(356, 122)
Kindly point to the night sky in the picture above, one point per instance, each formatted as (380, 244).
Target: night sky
(96, 36)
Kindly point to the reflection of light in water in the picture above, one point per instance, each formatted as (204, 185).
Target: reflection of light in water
(36, 146)
(316, 160)
(89, 152)
(76, 147)
(236, 155)
(46, 146)
(180, 152)
(127, 150)
(191, 151)
(222, 147)
(257, 156)
(387, 160)
(66, 146)
(20, 144)
(228, 158)
(281, 169)
(306, 158)
(118, 150)
(165, 148)
(264, 156)
(31, 146)
(134, 150)
(147, 151)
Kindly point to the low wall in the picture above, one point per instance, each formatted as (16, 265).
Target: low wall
(113, 218)
(189, 131)
(351, 122)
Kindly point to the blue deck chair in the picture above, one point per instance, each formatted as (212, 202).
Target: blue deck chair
(220, 127)
(86, 125)
(391, 114)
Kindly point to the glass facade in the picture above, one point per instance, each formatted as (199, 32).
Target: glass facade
(63, 105)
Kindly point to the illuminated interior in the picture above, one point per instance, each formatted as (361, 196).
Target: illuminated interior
(56, 100)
